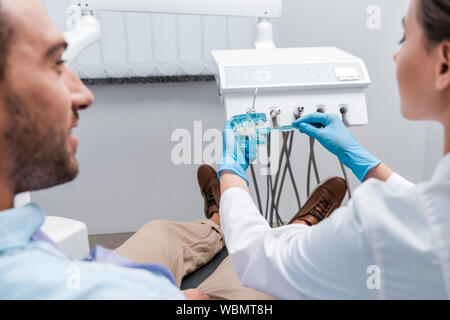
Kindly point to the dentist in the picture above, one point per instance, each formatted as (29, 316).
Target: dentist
(391, 240)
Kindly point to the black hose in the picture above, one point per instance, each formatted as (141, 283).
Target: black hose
(288, 166)
(291, 174)
(274, 186)
(268, 174)
(312, 163)
(255, 183)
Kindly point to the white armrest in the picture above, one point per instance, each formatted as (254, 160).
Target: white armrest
(70, 235)
(22, 199)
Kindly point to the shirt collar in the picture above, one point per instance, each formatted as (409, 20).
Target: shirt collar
(18, 225)
(442, 172)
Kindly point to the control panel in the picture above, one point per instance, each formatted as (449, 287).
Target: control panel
(292, 75)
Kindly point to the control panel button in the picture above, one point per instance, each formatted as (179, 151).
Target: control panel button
(263, 75)
(347, 74)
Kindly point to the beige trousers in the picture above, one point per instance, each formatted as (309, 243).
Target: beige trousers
(183, 247)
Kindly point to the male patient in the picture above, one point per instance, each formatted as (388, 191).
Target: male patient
(40, 98)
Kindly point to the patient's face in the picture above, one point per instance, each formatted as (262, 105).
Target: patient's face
(39, 102)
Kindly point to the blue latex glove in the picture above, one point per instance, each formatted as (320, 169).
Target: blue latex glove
(331, 132)
(235, 158)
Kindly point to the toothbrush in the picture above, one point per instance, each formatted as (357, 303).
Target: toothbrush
(267, 130)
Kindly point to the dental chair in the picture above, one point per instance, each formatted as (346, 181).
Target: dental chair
(70, 235)
(194, 279)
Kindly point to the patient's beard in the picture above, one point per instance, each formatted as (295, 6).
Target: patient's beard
(36, 149)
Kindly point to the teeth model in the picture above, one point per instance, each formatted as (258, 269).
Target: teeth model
(251, 128)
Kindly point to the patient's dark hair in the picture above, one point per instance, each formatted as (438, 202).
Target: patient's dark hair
(6, 33)
(434, 16)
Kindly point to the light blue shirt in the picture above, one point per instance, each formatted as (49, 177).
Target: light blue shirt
(34, 269)
(392, 241)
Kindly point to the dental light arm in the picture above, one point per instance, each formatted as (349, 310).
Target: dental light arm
(250, 8)
(85, 33)
(84, 28)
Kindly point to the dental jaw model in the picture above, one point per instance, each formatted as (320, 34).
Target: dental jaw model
(251, 128)
(254, 127)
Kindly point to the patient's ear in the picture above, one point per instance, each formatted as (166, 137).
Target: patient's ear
(443, 66)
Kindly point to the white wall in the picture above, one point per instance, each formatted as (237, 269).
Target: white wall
(127, 177)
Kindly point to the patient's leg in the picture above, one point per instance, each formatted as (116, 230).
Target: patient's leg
(182, 247)
(224, 284)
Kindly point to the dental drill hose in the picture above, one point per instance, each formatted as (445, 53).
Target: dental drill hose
(312, 163)
(288, 139)
(344, 111)
(274, 186)
(252, 169)
(255, 183)
(288, 166)
(270, 188)
(274, 113)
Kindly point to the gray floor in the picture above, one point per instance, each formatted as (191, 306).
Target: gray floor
(112, 241)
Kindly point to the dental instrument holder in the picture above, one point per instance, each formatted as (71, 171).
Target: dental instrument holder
(318, 79)
(289, 83)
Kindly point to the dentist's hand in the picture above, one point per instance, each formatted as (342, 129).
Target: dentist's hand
(234, 158)
(331, 132)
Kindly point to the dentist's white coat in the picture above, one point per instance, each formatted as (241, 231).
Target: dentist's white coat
(392, 241)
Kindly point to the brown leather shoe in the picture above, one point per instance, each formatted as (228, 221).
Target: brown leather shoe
(210, 189)
(326, 198)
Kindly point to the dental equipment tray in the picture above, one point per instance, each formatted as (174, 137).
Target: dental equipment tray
(324, 78)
